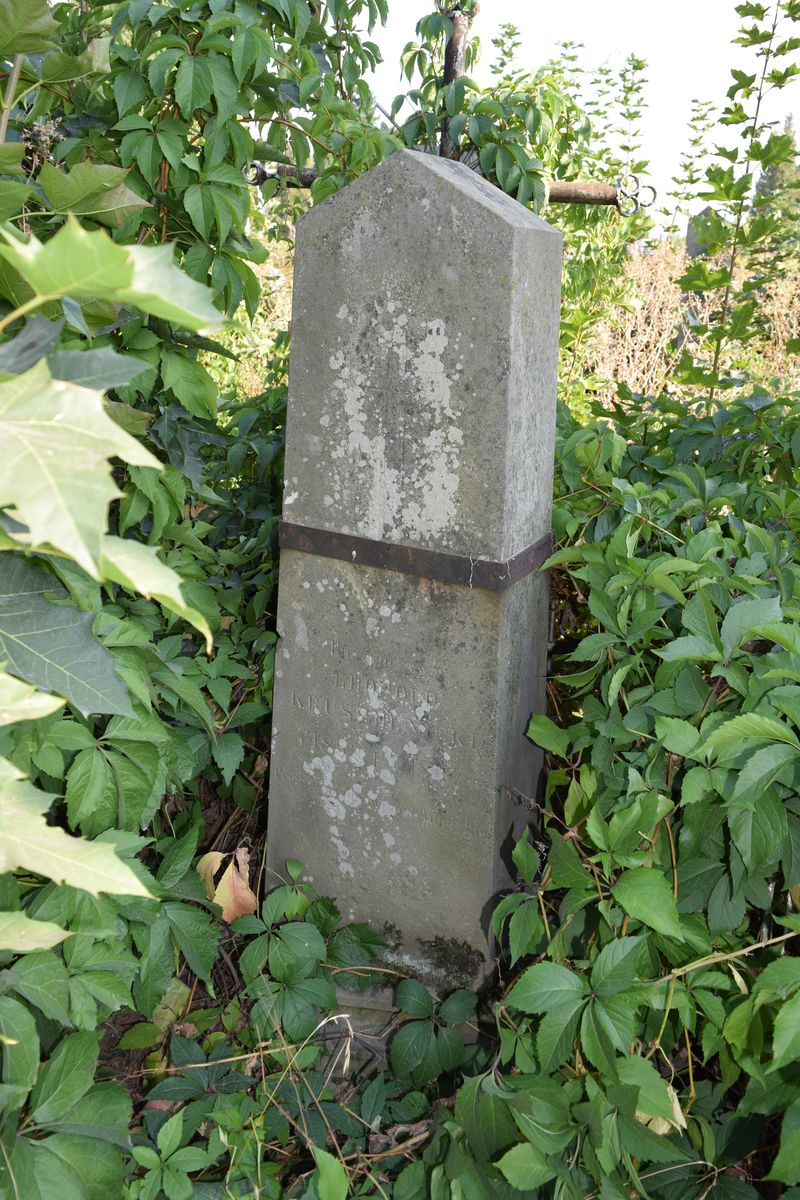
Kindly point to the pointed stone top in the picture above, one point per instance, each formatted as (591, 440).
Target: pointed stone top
(424, 343)
(427, 171)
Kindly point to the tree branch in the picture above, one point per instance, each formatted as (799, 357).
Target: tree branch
(455, 55)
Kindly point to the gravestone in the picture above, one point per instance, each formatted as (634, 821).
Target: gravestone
(413, 622)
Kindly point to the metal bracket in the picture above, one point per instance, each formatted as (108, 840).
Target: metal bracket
(438, 565)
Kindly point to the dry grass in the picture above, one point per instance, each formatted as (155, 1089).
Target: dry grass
(642, 343)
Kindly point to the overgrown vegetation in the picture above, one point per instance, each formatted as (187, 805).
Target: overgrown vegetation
(164, 1008)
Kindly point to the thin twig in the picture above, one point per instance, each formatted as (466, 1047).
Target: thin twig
(8, 98)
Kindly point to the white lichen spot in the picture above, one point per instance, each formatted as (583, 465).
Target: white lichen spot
(387, 776)
(436, 773)
(300, 631)
(351, 798)
(389, 840)
(386, 810)
(411, 748)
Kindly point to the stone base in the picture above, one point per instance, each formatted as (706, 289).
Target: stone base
(401, 772)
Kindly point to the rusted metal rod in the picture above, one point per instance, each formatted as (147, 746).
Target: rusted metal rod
(578, 191)
(559, 191)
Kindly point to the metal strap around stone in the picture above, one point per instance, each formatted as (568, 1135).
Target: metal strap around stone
(438, 565)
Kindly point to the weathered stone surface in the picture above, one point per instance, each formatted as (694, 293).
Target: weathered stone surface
(422, 407)
(422, 384)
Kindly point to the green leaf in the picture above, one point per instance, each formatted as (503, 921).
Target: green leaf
(42, 979)
(91, 792)
(566, 868)
(103, 1112)
(146, 1157)
(67, 1075)
(190, 382)
(525, 1167)
(52, 645)
(541, 1111)
(484, 1118)
(21, 702)
(556, 1034)
(90, 266)
(11, 158)
(129, 91)
(786, 1034)
(410, 1047)
(758, 828)
(545, 986)
(26, 840)
(740, 732)
(525, 859)
(332, 1177)
(35, 340)
(13, 197)
(97, 1166)
(689, 649)
(645, 894)
(699, 617)
(654, 1099)
(679, 737)
(615, 968)
(761, 769)
(143, 1036)
(741, 618)
(414, 998)
(138, 567)
(96, 369)
(91, 190)
(21, 935)
(296, 950)
(199, 204)
(228, 752)
(26, 27)
(194, 84)
(545, 733)
(160, 66)
(20, 1043)
(196, 935)
(170, 1135)
(786, 1166)
(57, 478)
(525, 931)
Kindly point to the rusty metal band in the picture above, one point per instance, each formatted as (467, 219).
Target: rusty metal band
(438, 565)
